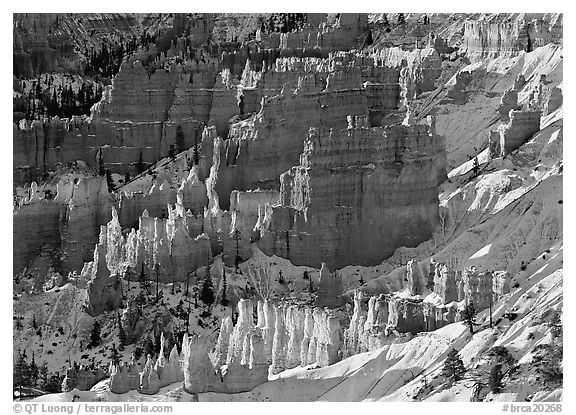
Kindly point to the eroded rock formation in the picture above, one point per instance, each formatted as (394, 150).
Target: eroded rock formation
(67, 225)
(82, 377)
(522, 125)
(149, 378)
(163, 249)
(341, 204)
(501, 35)
(330, 289)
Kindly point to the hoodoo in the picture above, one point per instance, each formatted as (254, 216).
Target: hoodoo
(288, 207)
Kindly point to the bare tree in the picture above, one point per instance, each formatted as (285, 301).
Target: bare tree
(261, 277)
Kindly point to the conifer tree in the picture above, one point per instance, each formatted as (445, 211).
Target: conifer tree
(369, 38)
(110, 181)
(140, 165)
(115, 356)
(121, 334)
(469, 317)
(179, 139)
(453, 368)
(495, 380)
(236, 235)
(195, 152)
(19, 325)
(20, 373)
(95, 334)
(43, 376)
(475, 166)
(224, 300)
(150, 347)
(33, 371)
(207, 291)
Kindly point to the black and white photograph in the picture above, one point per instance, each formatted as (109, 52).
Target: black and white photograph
(287, 207)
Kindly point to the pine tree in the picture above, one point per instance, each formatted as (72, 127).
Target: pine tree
(43, 376)
(121, 334)
(140, 165)
(369, 38)
(236, 236)
(196, 152)
(144, 283)
(33, 371)
(110, 181)
(100, 162)
(475, 166)
(20, 373)
(19, 325)
(224, 300)
(150, 347)
(115, 356)
(453, 368)
(172, 152)
(95, 334)
(468, 316)
(495, 380)
(180, 147)
(207, 292)
(401, 19)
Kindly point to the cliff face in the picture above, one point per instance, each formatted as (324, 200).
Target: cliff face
(507, 35)
(50, 42)
(341, 205)
(521, 126)
(323, 32)
(260, 148)
(329, 289)
(67, 225)
(36, 228)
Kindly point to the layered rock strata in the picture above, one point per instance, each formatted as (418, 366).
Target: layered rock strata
(482, 289)
(523, 124)
(372, 324)
(66, 225)
(265, 145)
(508, 35)
(357, 194)
(330, 289)
(190, 192)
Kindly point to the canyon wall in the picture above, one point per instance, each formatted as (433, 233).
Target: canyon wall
(508, 34)
(66, 225)
(357, 194)
(522, 125)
